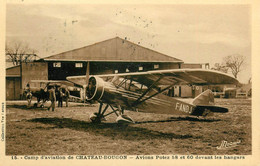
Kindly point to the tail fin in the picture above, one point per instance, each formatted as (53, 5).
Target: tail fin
(205, 104)
(206, 98)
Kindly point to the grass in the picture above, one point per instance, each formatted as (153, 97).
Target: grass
(68, 131)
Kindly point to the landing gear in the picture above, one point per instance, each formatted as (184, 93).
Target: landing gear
(97, 117)
(124, 119)
(207, 113)
(39, 104)
(119, 112)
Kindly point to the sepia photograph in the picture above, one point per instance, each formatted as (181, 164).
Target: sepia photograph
(113, 80)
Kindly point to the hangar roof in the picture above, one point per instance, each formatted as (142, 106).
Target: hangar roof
(113, 50)
(13, 71)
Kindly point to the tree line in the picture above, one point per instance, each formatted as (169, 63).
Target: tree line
(18, 51)
(233, 63)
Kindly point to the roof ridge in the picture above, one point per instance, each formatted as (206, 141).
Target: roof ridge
(115, 38)
(12, 67)
(151, 49)
(79, 48)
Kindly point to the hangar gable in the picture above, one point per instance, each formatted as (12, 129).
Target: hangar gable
(13, 71)
(115, 49)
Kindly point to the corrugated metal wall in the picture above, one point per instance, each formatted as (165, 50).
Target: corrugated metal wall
(34, 71)
(66, 69)
(13, 88)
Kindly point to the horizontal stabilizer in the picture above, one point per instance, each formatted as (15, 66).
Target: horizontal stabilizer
(212, 109)
(206, 110)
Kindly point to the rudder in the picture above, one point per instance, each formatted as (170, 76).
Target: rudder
(205, 104)
(206, 98)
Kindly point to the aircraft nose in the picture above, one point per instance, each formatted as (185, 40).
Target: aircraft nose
(95, 88)
(91, 87)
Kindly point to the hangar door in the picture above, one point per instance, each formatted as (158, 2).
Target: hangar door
(12, 88)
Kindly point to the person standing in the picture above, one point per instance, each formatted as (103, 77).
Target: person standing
(59, 97)
(66, 96)
(52, 98)
(29, 98)
(28, 94)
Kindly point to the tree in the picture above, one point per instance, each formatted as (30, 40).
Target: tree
(220, 67)
(234, 63)
(18, 51)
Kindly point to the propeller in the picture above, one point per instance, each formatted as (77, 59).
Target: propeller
(87, 81)
(87, 74)
(90, 85)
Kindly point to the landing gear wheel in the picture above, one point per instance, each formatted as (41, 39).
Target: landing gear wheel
(95, 118)
(96, 121)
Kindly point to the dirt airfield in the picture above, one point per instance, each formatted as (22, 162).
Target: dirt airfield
(68, 131)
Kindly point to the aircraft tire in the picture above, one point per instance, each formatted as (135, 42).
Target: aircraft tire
(96, 121)
(94, 118)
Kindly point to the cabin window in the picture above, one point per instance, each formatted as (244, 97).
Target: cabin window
(141, 68)
(56, 64)
(116, 71)
(127, 70)
(78, 65)
(156, 66)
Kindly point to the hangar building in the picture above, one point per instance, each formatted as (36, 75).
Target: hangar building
(114, 55)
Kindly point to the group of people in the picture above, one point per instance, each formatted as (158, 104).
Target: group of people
(58, 94)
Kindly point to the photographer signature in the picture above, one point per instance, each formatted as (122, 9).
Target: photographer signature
(225, 144)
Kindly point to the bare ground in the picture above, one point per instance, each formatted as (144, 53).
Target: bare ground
(68, 131)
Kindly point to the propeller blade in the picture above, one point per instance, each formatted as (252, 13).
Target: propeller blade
(87, 80)
(87, 74)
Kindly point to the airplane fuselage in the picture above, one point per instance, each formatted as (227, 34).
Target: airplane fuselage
(107, 92)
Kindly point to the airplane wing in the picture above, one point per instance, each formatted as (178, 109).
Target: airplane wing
(57, 82)
(168, 77)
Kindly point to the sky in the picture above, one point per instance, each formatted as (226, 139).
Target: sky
(192, 33)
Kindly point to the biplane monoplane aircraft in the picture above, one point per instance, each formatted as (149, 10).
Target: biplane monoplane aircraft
(39, 89)
(143, 92)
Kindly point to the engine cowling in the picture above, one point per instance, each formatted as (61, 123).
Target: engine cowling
(107, 92)
(95, 88)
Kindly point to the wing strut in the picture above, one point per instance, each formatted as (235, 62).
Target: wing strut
(121, 83)
(137, 101)
(130, 84)
(113, 110)
(160, 91)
